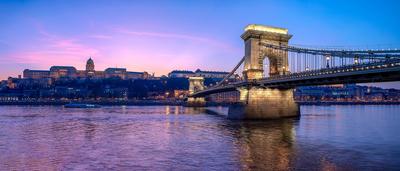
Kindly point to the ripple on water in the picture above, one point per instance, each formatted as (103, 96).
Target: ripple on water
(179, 138)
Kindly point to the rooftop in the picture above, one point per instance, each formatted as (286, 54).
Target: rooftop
(134, 72)
(37, 70)
(116, 69)
(212, 72)
(64, 67)
(182, 71)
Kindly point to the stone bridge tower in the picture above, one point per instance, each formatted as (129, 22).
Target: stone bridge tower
(196, 84)
(259, 102)
(255, 53)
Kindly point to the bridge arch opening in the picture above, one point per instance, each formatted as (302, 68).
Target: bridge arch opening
(266, 67)
(275, 63)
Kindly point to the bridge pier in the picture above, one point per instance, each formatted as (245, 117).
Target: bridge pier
(264, 103)
(196, 102)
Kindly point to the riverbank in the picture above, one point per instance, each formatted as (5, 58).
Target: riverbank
(348, 103)
(168, 102)
(104, 102)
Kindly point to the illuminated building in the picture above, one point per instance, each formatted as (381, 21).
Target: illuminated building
(115, 72)
(180, 94)
(57, 72)
(181, 74)
(36, 74)
(137, 75)
(197, 73)
(10, 83)
(210, 74)
(63, 72)
(90, 72)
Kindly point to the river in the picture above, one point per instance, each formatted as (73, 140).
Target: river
(178, 138)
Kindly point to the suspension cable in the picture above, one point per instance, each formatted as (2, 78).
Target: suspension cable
(231, 73)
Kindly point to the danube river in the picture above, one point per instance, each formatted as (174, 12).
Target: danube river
(179, 138)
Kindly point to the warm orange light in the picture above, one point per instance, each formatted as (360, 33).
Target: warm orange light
(266, 29)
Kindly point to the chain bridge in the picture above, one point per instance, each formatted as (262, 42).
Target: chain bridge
(271, 69)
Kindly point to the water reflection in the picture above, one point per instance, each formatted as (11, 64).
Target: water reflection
(265, 145)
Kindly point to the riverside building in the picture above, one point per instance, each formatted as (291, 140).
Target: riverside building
(57, 72)
(197, 73)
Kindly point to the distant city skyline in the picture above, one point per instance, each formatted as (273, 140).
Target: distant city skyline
(161, 36)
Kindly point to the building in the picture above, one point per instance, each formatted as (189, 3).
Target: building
(348, 93)
(36, 74)
(57, 72)
(63, 72)
(137, 75)
(11, 83)
(90, 72)
(210, 74)
(197, 73)
(180, 94)
(181, 74)
(115, 72)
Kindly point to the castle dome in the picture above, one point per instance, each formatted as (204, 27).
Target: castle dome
(90, 61)
(90, 65)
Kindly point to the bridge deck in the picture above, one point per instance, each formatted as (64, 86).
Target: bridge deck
(388, 70)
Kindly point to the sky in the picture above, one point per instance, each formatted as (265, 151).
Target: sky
(160, 36)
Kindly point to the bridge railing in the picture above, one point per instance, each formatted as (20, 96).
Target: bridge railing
(392, 64)
(301, 59)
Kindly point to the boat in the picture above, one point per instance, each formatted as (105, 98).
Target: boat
(81, 105)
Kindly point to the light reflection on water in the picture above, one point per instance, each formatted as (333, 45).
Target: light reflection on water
(179, 138)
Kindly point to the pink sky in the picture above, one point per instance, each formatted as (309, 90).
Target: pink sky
(154, 52)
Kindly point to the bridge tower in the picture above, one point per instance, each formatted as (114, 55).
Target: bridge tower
(196, 84)
(255, 53)
(258, 102)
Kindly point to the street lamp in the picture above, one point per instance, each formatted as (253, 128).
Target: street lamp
(356, 60)
(327, 61)
(284, 70)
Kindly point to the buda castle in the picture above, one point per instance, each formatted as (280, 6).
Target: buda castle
(57, 72)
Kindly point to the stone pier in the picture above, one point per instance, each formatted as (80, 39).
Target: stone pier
(261, 102)
(264, 103)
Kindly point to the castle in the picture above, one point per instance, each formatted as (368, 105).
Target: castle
(57, 72)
